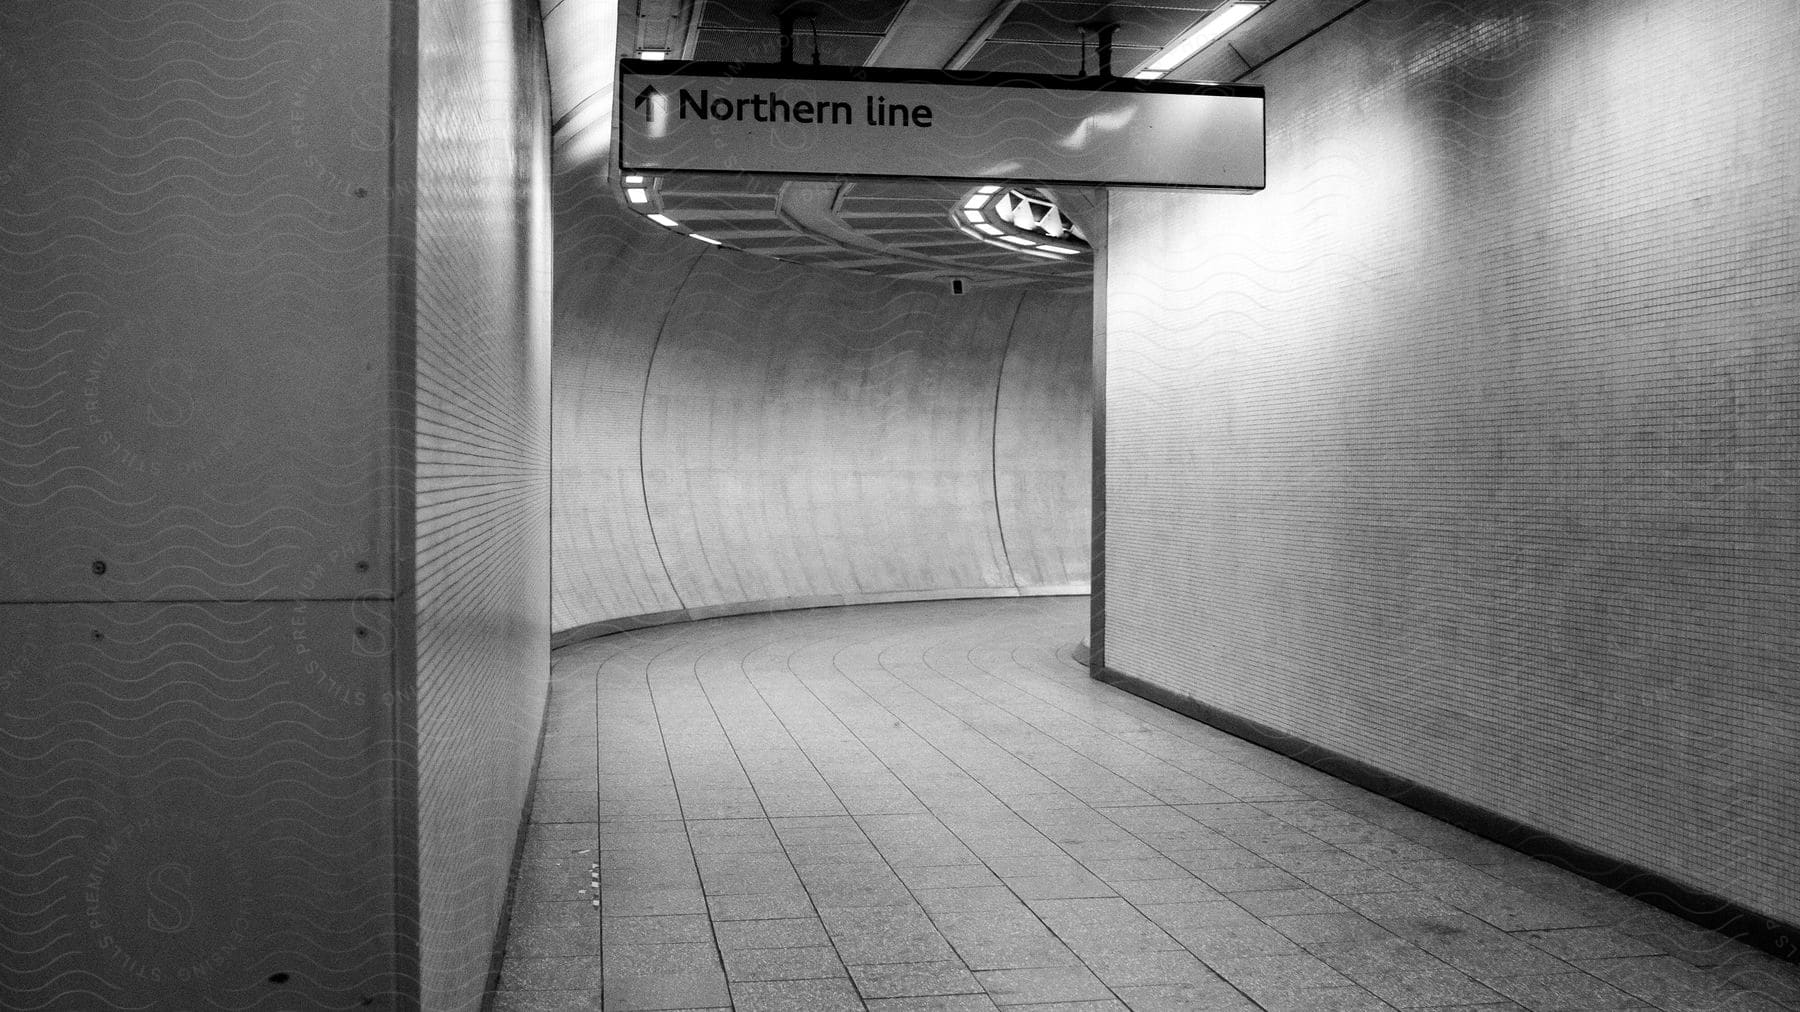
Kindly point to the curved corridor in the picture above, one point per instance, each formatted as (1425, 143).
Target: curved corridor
(931, 806)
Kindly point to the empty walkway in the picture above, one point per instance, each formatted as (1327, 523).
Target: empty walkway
(930, 806)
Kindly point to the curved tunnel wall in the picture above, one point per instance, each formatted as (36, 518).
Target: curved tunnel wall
(735, 433)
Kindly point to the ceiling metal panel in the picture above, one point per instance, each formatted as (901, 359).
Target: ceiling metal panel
(765, 47)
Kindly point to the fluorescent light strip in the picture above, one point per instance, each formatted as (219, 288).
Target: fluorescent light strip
(974, 215)
(637, 195)
(1021, 241)
(663, 220)
(989, 229)
(1058, 249)
(653, 54)
(705, 239)
(1202, 35)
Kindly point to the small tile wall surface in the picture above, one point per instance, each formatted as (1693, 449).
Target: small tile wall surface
(482, 470)
(1467, 448)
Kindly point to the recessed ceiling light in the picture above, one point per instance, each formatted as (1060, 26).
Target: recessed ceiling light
(1203, 34)
(637, 195)
(653, 54)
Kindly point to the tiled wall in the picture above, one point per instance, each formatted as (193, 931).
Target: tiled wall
(482, 486)
(1467, 448)
(735, 432)
(195, 693)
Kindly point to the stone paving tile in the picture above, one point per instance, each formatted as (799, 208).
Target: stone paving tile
(795, 963)
(835, 995)
(773, 933)
(934, 1003)
(993, 940)
(1155, 967)
(759, 906)
(1317, 999)
(914, 980)
(885, 934)
(948, 876)
(1251, 974)
(1588, 943)
(527, 938)
(1563, 992)
(548, 1001)
(1042, 984)
(929, 807)
(854, 885)
(1219, 997)
(551, 973)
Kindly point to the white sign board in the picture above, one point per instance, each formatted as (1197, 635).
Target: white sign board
(800, 121)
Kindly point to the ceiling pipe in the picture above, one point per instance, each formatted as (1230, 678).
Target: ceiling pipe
(786, 19)
(1103, 46)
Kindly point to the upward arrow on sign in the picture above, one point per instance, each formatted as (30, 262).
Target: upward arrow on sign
(647, 99)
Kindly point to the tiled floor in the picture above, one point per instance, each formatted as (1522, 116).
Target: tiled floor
(931, 806)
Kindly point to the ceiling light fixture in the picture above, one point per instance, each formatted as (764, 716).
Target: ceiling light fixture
(1204, 33)
(1018, 219)
(653, 54)
(663, 220)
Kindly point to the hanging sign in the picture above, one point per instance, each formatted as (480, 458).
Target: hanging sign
(794, 120)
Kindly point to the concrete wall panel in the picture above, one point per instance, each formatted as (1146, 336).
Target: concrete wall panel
(193, 237)
(190, 790)
(1466, 449)
(195, 404)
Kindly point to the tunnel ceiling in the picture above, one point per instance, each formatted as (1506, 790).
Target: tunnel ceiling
(906, 228)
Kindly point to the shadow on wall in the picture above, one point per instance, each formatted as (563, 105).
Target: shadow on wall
(735, 433)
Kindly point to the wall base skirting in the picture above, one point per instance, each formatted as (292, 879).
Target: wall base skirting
(1774, 937)
(607, 627)
(503, 928)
